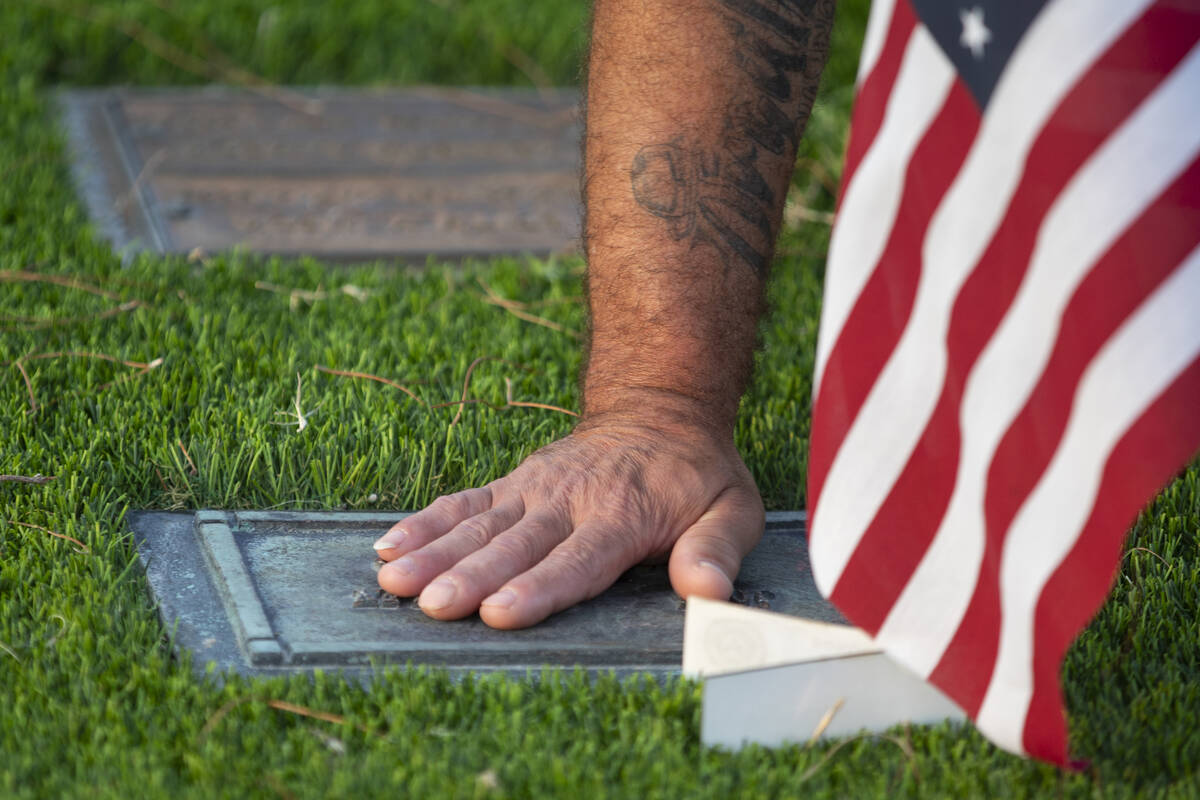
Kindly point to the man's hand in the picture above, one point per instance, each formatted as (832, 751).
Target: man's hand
(576, 514)
(694, 110)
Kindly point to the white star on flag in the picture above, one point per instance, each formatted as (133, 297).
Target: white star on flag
(974, 33)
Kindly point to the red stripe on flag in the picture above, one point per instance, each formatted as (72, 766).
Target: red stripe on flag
(876, 88)
(1098, 104)
(1154, 448)
(1125, 276)
(879, 316)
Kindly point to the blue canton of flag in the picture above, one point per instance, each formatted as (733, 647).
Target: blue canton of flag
(978, 36)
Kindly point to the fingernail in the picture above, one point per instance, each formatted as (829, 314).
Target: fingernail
(405, 566)
(438, 594)
(501, 599)
(717, 567)
(390, 541)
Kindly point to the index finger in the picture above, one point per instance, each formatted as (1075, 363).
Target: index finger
(433, 521)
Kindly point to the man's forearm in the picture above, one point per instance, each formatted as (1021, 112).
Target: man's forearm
(694, 111)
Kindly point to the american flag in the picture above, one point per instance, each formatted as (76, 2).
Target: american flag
(1008, 365)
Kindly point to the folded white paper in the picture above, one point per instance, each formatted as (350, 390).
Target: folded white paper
(772, 679)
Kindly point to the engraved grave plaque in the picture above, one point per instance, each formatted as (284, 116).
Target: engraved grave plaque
(351, 175)
(278, 592)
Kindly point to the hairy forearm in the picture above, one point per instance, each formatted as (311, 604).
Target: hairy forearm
(694, 111)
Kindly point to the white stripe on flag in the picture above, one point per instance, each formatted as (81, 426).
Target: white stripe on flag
(873, 196)
(878, 24)
(1134, 165)
(1056, 50)
(1134, 367)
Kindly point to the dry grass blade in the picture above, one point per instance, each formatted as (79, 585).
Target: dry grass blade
(87, 354)
(33, 406)
(301, 416)
(24, 276)
(466, 387)
(525, 306)
(488, 780)
(152, 365)
(83, 548)
(310, 296)
(62, 621)
(295, 296)
(531, 69)
(221, 713)
(10, 651)
(191, 464)
(819, 171)
(325, 716)
(36, 323)
(346, 373)
(826, 718)
(521, 404)
(141, 367)
(334, 744)
(304, 104)
(509, 402)
(280, 705)
(904, 743)
(187, 62)
(467, 383)
(549, 301)
(815, 768)
(472, 402)
(148, 168)
(518, 310)
(795, 214)
(162, 480)
(1131, 550)
(37, 480)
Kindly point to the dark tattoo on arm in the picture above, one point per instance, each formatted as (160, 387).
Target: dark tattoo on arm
(718, 196)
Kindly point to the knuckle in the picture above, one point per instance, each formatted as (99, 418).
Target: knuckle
(749, 502)
(458, 504)
(518, 549)
(616, 539)
(588, 561)
(716, 546)
(475, 530)
(577, 564)
(447, 503)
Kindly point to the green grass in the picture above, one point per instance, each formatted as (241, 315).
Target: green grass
(93, 703)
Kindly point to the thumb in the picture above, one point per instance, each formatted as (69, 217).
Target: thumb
(707, 556)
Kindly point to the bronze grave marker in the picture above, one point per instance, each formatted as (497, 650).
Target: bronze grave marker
(347, 175)
(278, 592)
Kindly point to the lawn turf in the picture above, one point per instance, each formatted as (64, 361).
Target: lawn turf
(92, 701)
